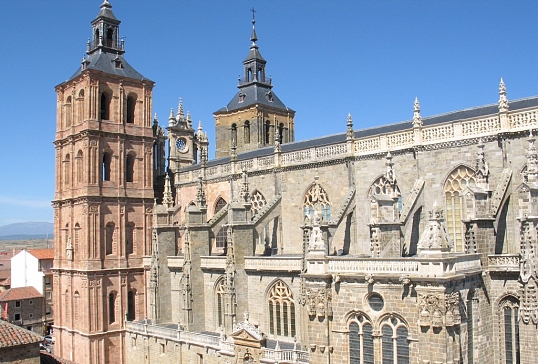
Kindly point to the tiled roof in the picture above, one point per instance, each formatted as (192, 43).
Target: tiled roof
(19, 293)
(12, 335)
(42, 253)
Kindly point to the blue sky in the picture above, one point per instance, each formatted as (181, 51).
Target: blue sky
(327, 59)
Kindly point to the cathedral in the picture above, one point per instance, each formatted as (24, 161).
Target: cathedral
(411, 242)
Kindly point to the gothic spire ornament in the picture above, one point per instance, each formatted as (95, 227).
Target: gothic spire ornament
(482, 168)
(167, 195)
(349, 133)
(532, 161)
(503, 101)
(200, 194)
(417, 119)
(180, 108)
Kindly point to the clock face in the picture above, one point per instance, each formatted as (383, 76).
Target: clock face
(181, 144)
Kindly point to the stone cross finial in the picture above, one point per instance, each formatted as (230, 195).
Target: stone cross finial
(503, 101)
(349, 133)
(417, 119)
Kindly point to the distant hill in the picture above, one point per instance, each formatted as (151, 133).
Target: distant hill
(27, 231)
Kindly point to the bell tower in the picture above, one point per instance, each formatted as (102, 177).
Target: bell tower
(255, 117)
(109, 156)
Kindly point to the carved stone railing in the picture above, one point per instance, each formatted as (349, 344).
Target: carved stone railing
(273, 263)
(433, 267)
(503, 263)
(377, 144)
(213, 341)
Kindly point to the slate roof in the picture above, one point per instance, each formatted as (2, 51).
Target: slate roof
(105, 62)
(42, 253)
(464, 114)
(12, 335)
(19, 293)
(255, 93)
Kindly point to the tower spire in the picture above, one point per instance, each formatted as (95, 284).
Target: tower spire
(253, 36)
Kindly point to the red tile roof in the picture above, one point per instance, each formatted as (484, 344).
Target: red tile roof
(12, 335)
(42, 253)
(19, 293)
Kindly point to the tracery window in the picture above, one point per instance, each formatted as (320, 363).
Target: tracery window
(510, 325)
(219, 295)
(361, 341)
(281, 310)
(316, 199)
(257, 201)
(456, 182)
(394, 342)
(219, 205)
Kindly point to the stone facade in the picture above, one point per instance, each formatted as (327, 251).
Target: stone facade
(413, 242)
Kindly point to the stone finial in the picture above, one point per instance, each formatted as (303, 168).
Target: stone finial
(482, 168)
(167, 195)
(349, 133)
(200, 194)
(532, 160)
(503, 101)
(189, 120)
(417, 119)
(171, 118)
(435, 238)
(180, 108)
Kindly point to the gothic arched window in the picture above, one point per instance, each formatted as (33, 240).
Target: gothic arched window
(131, 305)
(67, 169)
(107, 160)
(131, 108)
(80, 105)
(281, 133)
(111, 307)
(316, 199)
(361, 341)
(456, 182)
(129, 237)
(129, 168)
(267, 132)
(281, 310)
(510, 327)
(246, 132)
(219, 295)
(109, 237)
(220, 239)
(79, 167)
(219, 205)
(68, 111)
(76, 307)
(104, 107)
(394, 342)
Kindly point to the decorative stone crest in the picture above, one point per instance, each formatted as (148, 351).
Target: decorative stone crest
(167, 195)
(319, 302)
